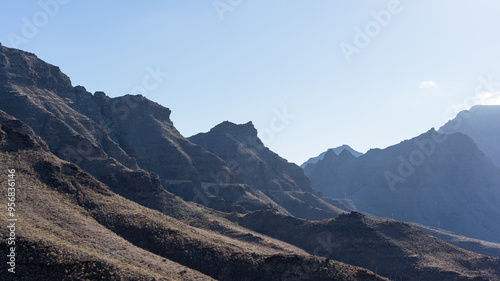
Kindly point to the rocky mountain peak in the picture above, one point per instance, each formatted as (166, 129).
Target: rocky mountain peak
(237, 130)
(285, 183)
(99, 95)
(133, 106)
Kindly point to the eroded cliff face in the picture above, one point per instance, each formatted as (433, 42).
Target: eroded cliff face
(254, 163)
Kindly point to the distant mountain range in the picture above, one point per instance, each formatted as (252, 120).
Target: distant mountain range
(337, 151)
(437, 180)
(110, 190)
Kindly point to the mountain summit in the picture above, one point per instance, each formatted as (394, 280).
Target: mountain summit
(257, 166)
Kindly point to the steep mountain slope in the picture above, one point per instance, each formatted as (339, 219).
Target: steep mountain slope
(130, 129)
(437, 180)
(482, 124)
(337, 151)
(392, 249)
(72, 226)
(259, 167)
(128, 143)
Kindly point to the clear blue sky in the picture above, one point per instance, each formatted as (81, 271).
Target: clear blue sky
(257, 58)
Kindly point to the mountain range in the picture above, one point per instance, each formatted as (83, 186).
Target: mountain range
(108, 189)
(437, 180)
(134, 138)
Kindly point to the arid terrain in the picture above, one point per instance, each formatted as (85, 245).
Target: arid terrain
(108, 189)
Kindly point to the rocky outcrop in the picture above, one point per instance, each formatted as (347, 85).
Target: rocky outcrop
(254, 163)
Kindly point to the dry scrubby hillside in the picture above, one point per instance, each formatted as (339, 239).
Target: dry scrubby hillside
(72, 226)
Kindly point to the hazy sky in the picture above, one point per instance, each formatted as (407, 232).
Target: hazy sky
(310, 74)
